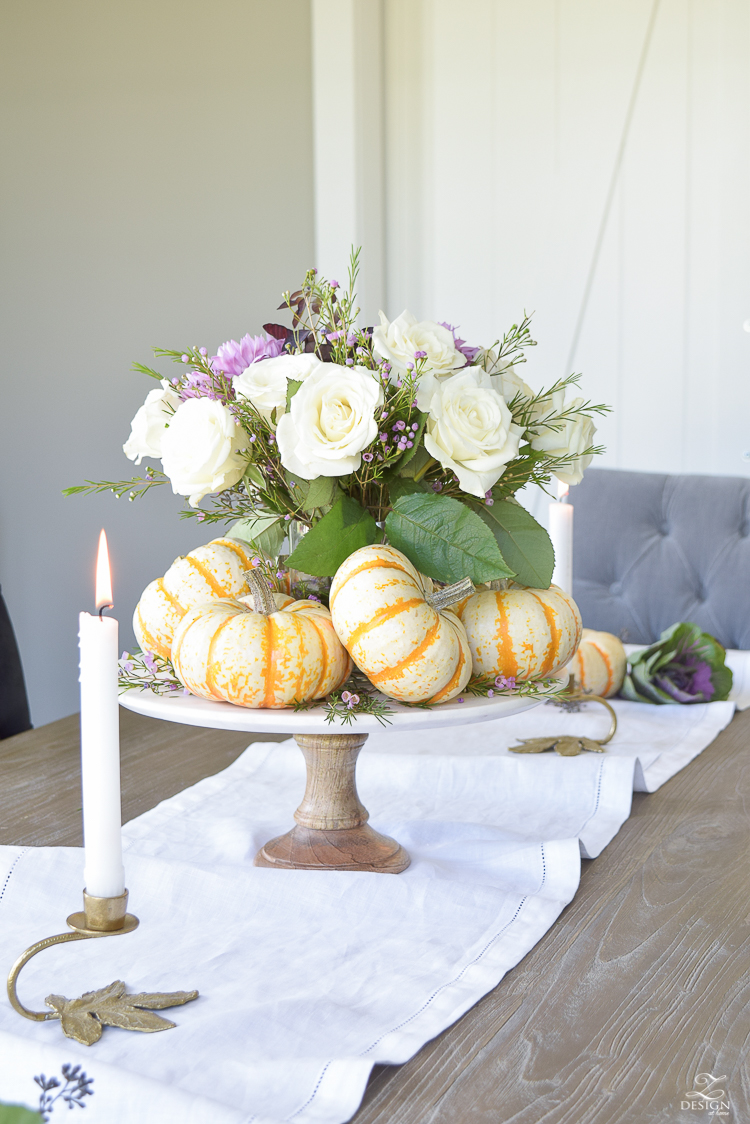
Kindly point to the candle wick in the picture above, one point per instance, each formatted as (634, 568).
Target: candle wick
(102, 608)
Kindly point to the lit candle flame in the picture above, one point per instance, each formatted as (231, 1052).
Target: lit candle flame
(562, 491)
(103, 576)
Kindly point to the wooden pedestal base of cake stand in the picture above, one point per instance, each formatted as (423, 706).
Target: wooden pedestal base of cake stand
(332, 832)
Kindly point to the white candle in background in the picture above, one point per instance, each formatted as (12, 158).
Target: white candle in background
(104, 876)
(561, 533)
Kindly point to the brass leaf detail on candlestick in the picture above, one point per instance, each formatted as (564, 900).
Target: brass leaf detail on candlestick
(565, 746)
(84, 1019)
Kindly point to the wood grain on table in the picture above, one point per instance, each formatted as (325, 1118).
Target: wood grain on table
(641, 984)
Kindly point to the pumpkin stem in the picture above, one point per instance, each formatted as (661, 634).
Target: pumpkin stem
(263, 599)
(499, 584)
(442, 598)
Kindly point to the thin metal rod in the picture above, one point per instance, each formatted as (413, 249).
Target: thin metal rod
(579, 696)
(61, 938)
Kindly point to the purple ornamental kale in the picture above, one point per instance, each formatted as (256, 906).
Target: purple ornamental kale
(233, 358)
(461, 345)
(685, 665)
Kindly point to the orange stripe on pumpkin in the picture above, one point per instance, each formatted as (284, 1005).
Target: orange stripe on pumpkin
(270, 654)
(608, 664)
(206, 574)
(238, 551)
(507, 662)
(390, 672)
(380, 616)
(324, 658)
(210, 671)
(450, 685)
(553, 648)
(170, 597)
(373, 564)
(152, 645)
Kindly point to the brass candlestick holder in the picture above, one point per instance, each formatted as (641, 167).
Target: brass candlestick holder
(85, 1018)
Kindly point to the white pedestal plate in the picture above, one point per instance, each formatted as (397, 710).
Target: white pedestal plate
(331, 830)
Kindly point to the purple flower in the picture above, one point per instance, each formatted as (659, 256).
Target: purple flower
(400, 425)
(383, 437)
(437, 486)
(150, 662)
(233, 358)
(367, 457)
(506, 683)
(461, 345)
(331, 336)
(334, 284)
(198, 384)
(420, 354)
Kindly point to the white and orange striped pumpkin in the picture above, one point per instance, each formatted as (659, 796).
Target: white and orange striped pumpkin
(227, 650)
(214, 570)
(520, 632)
(600, 664)
(381, 612)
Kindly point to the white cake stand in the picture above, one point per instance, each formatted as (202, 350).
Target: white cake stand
(332, 832)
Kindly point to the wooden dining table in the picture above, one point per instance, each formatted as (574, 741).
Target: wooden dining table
(639, 988)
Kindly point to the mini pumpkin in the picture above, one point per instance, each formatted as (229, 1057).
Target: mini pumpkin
(382, 611)
(600, 664)
(210, 571)
(259, 651)
(519, 632)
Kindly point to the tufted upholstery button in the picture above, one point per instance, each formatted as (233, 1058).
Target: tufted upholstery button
(616, 588)
(664, 530)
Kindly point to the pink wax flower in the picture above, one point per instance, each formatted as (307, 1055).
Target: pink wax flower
(233, 358)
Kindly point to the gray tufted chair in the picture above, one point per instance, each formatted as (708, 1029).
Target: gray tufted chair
(650, 550)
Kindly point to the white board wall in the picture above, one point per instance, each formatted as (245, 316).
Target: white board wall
(590, 162)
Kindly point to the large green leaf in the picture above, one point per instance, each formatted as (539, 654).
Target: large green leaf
(263, 532)
(17, 1114)
(320, 493)
(345, 528)
(445, 539)
(398, 487)
(523, 543)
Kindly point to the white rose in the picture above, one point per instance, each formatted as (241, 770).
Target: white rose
(149, 424)
(576, 434)
(470, 430)
(399, 341)
(264, 383)
(509, 383)
(330, 421)
(202, 450)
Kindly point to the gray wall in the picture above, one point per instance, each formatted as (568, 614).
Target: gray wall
(156, 188)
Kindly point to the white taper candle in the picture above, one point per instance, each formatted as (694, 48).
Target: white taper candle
(561, 533)
(100, 746)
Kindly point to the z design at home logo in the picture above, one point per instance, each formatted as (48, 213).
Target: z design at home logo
(708, 1095)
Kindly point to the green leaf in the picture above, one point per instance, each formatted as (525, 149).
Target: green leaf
(17, 1114)
(320, 493)
(417, 465)
(292, 386)
(523, 543)
(263, 532)
(398, 487)
(345, 528)
(445, 539)
(255, 476)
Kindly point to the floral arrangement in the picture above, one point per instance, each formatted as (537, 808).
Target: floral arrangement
(685, 665)
(354, 434)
